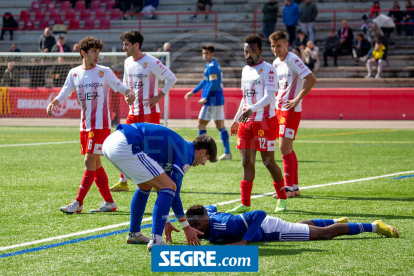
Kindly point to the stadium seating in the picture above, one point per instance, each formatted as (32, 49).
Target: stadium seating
(55, 16)
(115, 14)
(43, 24)
(24, 15)
(35, 6)
(95, 5)
(104, 23)
(85, 14)
(51, 6)
(45, 2)
(80, 6)
(100, 13)
(69, 15)
(39, 15)
(89, 24)
(64, 6)
(109, 4)
(28, 25)
(73, 24)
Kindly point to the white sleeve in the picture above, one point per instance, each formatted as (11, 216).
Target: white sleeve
(124, 79)
(263, 101)
(239, 112)
(159, 69)
(115, 83)
(301, 69)
(270, 88)
(169, 83)
(66, 90)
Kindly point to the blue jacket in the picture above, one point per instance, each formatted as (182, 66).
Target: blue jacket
(212, 84)
(291, 14)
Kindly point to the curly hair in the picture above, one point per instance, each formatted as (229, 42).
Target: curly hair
(89, 43)
(253, 38)
(133, 37)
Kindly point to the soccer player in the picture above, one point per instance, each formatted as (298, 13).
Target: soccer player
(255, 123)
(212, 99)
(155, 156)
(91, 82)
(295, 81)
(257, 226)
(141, 73)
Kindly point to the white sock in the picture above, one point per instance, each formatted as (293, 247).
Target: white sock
(123, 179)
(295, 187)
(335, 221)
(374, 227)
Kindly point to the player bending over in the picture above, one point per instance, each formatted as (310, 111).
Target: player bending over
(257, 226)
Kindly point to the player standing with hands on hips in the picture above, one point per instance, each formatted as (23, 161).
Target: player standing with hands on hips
(255, 123)
(91, 82)
(295, 82)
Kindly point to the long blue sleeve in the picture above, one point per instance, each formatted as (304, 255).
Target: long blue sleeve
(177, 205)
(212, 83)
(254, 220)
(199, 86)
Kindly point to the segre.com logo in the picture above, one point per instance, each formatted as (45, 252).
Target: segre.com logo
(206, 258)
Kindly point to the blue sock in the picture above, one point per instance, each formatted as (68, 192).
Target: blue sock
(225, 138)
(138, 203)
(201, 132)
(161, 210)
(323, 222)
(358, 228)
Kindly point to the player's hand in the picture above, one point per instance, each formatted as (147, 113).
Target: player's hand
(242, 242)
(202, 101)
(244, 117)
(168, 230)
(191, 235)
(234, 128)
(130, 97)
(152, 101)
(290, 104)
(49, 109)
(189, 95)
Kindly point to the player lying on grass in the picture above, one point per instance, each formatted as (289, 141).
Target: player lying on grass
(257, 226)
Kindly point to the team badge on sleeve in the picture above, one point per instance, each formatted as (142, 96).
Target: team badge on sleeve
(101, 74)
(186, 168)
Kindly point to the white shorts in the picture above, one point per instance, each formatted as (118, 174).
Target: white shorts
(208, 113)
(288, 231)
(138, 167)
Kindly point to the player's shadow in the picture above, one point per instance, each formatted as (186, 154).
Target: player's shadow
(215, 193)
(275, 250)
(357, 198)
(352, 217)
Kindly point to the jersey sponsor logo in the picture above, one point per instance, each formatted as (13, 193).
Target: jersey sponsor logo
(255, 82)
(249, 92)
(89, 85)
(91, 134)
(138, 84)
(290, 133)
(101, 74)
(271, 78)
(186, 167)
(261, 132)
(138, 75)
(145, 65)
(212, 77)
(168, 167)
(88, 96)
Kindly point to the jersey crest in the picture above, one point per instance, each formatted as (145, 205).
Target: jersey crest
(101, 74)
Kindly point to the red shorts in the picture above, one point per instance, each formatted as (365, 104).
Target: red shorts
(153, 118)
(259, 135)
(287, 123)
(91, 141)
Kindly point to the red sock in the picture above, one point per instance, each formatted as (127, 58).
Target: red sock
(101, 181)
(121, 175)
(280, 189)
(295, 176)
(246, 192)
(289, 168)
(86, 183)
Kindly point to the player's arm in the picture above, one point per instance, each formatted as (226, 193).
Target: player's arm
(163, 73)
(115, 84)
(211, 86)
(254, 220)
(267, 97)
(308, 82)
(235, 126)
(64, 93)
(200, 86)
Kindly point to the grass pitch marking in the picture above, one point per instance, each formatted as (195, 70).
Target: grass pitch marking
(216, 204)
(347, 133)
(38, 144)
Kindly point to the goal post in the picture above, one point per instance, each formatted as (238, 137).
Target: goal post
(29, 79)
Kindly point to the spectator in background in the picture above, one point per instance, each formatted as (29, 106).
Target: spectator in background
(377, 56)
(9, 24)
(46, 41)
(150, 6)
(361, 47)
(60, 72)
(397, 15)
(61, 46)
(308, 13)
(346, 36)
(373, 33)
(270, 11)
(310, 56)
(14, 48)
(332, 48)
(375, 9)
(408, 18)
(123, 5)
(165, 48)
(299, 44)
(11, 76)
(136, 5)
(291, 15)
(76, 48)
(202, 5)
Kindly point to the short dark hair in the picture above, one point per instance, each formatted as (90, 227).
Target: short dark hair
(278, 35)
(196, 213)
(253, 38)
(208, 47)
(133, 37)
(207, 143)
(360, 34)
(90, 42)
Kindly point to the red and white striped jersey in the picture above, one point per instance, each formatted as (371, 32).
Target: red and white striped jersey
(91, 86)
(255, 79)
(291, 72)
(142, 76)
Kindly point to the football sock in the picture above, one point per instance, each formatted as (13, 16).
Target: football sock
(138, 203)
(289, 168)
(201, 132)
(323, 222)
(288, 189)
(280, 189)
(295, 175)
(357, 228)
(246, 192)
(101, 181)
(161, 210)
(122, 178)
(86, 183)
(225, 138)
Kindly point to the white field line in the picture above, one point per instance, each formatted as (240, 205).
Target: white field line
(217, 204)
(38, 144)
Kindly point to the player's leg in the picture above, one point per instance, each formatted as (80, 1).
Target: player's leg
(224, 135)
(101, 181)
(203, 118)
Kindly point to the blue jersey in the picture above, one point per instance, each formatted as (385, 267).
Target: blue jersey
(212, 84)
(228, 228)
(174, 154)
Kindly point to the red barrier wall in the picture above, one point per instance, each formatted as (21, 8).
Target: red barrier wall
(320, 103)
